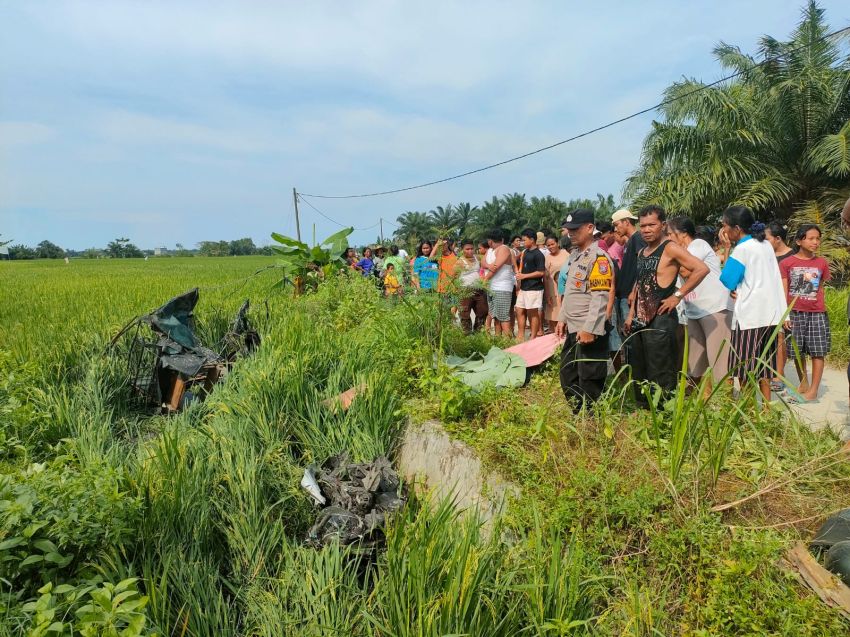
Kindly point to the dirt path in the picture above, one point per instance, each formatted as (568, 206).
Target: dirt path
(831, 409)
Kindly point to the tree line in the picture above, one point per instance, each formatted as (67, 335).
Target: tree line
(512, 212)
(122, 248)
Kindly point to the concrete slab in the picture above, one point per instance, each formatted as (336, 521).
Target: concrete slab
(831, 409)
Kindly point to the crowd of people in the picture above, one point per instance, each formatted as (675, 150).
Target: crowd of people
(738, 301)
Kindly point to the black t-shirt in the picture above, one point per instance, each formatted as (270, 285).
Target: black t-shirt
(532, 261)
(628, 271)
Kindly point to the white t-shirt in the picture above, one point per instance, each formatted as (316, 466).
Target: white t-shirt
(402, 253)
(751, 271)
(469, 274)
(710, 296)
(503, 279)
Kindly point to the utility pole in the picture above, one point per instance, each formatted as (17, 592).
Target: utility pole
(382, 229)
(297, 220)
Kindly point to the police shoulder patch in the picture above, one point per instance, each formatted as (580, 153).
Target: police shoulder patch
(601, 276)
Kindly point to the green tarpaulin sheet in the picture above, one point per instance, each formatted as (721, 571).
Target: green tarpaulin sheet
(498, 368)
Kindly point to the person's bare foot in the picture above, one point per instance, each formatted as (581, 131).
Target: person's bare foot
(802, 388)
(809, 395)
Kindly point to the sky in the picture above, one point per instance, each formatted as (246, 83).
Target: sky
(180, 121)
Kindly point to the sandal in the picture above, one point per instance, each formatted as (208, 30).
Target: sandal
(777, 386)
(798, 399)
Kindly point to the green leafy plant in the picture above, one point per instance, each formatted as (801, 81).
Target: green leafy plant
(53, 514)
(304, 266)
(92, 609)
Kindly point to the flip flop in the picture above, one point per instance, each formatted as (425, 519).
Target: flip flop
(797, 399)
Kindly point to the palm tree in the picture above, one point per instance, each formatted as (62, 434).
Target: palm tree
(443, 220)
(547, 213)
(517, 209)
(605, 206)
(464, 214)
(413, 227)
(777, 138)
(490, 214)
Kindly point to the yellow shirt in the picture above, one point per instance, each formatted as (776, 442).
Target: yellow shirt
(391, 285)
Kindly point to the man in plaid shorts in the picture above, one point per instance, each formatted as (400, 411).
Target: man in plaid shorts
(498, 273)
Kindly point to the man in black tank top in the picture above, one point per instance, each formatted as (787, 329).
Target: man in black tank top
(653, 319)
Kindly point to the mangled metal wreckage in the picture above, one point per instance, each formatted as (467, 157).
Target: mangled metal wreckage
(355, 500)
(167, 365)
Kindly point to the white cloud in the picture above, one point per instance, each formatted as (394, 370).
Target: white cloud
(371, 133)
(120, 217)
(125, 127)
(23, 133)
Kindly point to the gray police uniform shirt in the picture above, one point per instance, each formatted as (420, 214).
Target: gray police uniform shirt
(590, 276)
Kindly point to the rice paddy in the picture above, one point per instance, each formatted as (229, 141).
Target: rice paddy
(114, 521)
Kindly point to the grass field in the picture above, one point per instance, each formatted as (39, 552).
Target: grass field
(112, 520)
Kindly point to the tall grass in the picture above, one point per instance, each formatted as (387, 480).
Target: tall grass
(218, 539)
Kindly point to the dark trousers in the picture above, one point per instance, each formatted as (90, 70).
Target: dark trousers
(584, 368)
(477, 302)
(655, 354)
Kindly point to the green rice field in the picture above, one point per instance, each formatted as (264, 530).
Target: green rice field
(114, 521)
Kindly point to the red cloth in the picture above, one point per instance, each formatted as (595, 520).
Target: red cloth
(805, 282)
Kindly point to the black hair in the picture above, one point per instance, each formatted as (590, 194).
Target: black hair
(515, 237)
(394, 250)
(604, 226)
(803, 230)
(371, 251)
(530, 233)
(707, 234)
(483, 244)
(653, 209)
(778, 230)
(565, 242)
(390, 265)
(466, 242)
(550, 236)
(419, 248)
(743, 218)
(496, 234)
(682, 224)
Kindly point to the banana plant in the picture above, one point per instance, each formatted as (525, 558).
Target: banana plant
(305, 267)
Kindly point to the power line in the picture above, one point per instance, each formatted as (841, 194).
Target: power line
(580, 135)
(374, 225)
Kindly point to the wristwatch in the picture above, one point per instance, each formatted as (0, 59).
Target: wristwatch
(677, 294)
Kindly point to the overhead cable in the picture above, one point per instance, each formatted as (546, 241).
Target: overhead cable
(580, 135)
(375, 225)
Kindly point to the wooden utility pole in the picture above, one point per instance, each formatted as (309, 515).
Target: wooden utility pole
(297, 220)
(382, 229)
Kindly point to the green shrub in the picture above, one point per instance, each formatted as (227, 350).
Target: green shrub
(748, 594)
(92, 609)
(56, 516)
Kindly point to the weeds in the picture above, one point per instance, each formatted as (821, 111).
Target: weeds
(205, 509)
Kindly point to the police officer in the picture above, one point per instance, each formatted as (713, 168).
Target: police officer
(589, 279)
